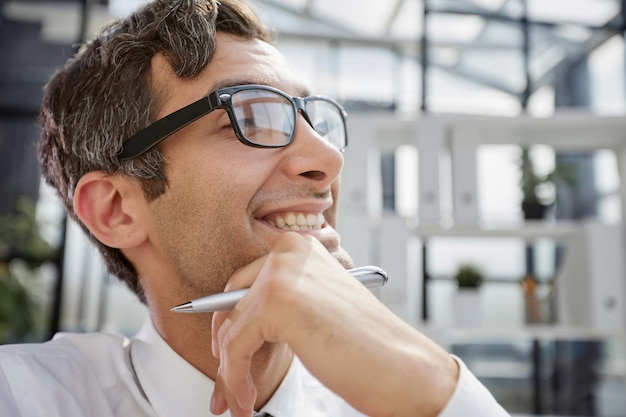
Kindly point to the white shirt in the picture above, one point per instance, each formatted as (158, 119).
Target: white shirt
(104, 375)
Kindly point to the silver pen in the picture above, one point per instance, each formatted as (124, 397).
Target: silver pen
(370, 276)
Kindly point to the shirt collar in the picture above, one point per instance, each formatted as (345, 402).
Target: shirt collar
(288, 394)
(171, 384)
(174, 387)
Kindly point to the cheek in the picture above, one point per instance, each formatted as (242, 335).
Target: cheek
(213, 186)
(203, 226)
(221, 162)
(209, 198)
(216, 201)
(225, 191)
(200, 233)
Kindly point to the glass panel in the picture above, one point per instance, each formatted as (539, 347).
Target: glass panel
(501, 69)
(367, 74)
(353, 14)
(591, 12)
(506, 8)
(448, 93)
(606, 65)
(408, 22)
(454, 28)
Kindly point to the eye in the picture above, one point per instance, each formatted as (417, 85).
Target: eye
(222, 123)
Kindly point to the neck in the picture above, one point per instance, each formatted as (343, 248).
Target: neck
(190, 336)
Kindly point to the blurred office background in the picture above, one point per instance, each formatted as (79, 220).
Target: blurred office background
(452, 104)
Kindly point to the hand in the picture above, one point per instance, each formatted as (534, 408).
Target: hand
(302, 297)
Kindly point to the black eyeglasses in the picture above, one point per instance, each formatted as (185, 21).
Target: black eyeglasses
(261, 116)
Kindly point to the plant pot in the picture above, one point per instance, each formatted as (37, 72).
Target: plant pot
(534, 210)
(467, 307)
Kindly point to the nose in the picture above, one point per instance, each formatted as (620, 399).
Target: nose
(312, 158)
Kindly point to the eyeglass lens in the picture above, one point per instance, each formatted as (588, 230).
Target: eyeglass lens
(327, 120)
(268, 118)
(264, 117)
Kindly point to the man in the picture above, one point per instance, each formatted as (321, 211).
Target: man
(175, 141)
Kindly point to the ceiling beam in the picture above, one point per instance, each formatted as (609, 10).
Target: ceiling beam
(395, 11)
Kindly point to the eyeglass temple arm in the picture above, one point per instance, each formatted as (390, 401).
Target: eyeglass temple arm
(154, 133)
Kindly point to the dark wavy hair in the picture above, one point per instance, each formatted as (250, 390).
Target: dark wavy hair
(103, 95)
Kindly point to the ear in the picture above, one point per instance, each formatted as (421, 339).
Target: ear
(110, 207)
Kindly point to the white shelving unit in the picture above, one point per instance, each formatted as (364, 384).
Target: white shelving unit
(591, 279)
(590, 292)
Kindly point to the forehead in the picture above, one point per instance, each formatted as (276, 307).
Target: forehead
(235, 61)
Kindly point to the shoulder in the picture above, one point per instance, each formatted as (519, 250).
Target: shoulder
(97, 353)
(105, 355)
(72, 370)
(94, 350)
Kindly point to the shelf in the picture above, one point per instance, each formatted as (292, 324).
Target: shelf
(449, 335)
(528, 230)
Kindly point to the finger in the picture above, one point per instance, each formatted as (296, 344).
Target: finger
(245, 276)
(238, 341)
(216, 323)
(242, 278)
(218, 400)
(223, 400)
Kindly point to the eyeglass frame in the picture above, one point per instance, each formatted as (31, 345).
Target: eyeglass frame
(156, 132)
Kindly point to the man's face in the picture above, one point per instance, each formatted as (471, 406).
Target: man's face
(226, 202)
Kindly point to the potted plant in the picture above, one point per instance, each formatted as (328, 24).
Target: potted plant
(539, 191)
(469, 276)
(22, 252)
(466, 303)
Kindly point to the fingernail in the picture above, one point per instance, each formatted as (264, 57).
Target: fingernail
(215, 349)
(212, 404)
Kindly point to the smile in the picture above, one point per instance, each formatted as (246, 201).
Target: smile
(299, 221)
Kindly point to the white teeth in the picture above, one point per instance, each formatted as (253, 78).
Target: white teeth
(300, 221)
(290, 218)
(280, 222)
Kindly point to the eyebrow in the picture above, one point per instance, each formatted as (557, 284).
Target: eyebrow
(303, 91)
